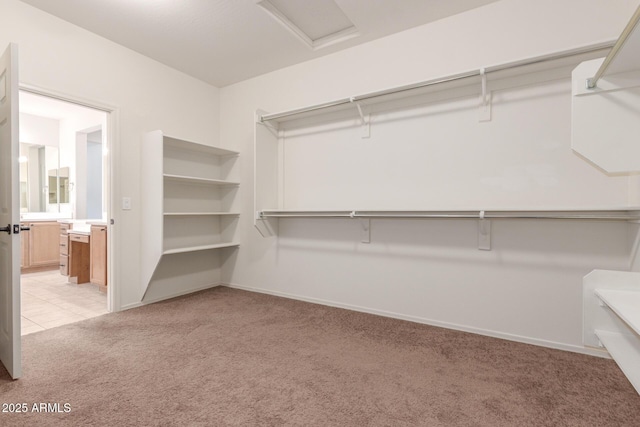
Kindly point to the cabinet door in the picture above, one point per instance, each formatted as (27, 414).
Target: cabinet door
(44, 243)
(24, 249)
(98, 264)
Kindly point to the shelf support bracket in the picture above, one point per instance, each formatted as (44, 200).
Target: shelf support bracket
(365, 130)
(366, 230)
(484, 233)
(484, 113)
(267, 227)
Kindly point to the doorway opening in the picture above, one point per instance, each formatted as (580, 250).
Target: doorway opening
(64, 167)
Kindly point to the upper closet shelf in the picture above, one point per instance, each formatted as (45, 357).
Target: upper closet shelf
(472, 77)
(624, 55)
(202, 213)
(622, 214)
(605, 110)
(195, 179)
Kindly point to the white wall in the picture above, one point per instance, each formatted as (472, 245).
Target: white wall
(66, 59)
(528, 287)
(94, 179)
(39, 130)
(440, 156)
(73, 141)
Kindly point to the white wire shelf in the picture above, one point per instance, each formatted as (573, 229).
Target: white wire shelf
(618, 214)
(201, 213)
(419, 87)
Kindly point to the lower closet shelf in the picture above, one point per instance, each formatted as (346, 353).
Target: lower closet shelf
(626, 304)
(625, 350)
(200, 248)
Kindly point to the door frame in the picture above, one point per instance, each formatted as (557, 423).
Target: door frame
(113, 179)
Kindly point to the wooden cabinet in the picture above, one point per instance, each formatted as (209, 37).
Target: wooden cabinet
(40, 245)
(43, 244)
(79, 257)
(98, 256)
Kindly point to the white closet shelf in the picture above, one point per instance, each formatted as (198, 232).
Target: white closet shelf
(195, 179)
(201, 213)
(199, 248)
(623, 57)
(195, 146)
(428, 85)
(626, 304)
(625, 350)
(618, 214)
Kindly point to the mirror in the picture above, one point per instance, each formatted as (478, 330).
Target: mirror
(38, 178)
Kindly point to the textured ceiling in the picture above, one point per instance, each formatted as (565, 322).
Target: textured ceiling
(225, 41)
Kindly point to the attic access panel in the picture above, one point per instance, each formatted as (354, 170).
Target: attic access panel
(318, 24)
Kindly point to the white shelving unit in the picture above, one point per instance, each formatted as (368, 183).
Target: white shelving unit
(187, 196)
(605, 127)
(611, 301)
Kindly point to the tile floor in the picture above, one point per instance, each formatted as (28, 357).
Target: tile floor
(49, 301)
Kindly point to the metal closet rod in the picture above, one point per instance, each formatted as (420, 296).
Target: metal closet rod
(619, 214)
(433, 82)
(593, 81)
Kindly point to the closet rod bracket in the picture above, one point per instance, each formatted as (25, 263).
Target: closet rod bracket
(484, 233)
(366, 230)
(484, 112)
(365, 131)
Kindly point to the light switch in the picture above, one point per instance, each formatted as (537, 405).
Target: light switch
(126, 203)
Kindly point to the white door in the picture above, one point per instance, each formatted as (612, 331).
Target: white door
(10, 349)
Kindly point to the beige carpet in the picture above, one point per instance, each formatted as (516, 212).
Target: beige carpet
(229, 357)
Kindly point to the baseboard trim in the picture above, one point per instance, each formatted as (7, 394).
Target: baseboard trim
(174, 295)
(489, 333)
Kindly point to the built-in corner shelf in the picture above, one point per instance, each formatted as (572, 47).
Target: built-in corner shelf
(188, 196)
(611, 306)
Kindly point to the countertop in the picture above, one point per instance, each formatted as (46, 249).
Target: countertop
(44, 220)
